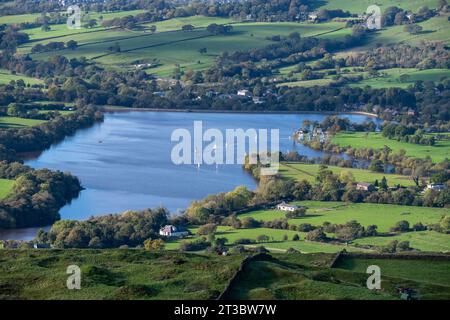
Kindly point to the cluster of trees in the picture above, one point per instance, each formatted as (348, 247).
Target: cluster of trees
(402, 164)
(10, 38)
(427, 55)
(40, 137)
(36, 197)
(292, 49)
(215, 28)
(52, 46)
(130, 228)
(410, 134)
(398, 16)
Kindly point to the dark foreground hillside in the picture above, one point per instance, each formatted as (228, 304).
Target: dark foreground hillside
(138, 274)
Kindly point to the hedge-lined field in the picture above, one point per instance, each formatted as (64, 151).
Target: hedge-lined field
(383, 215)
(375, 140)
(301, 171)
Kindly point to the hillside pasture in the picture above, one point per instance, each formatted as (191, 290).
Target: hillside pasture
(422, 240)
(437, 152)
(301, 171)
(384, 216)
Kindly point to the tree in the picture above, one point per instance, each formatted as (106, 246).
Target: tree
(383, 184)
(154, 245)
(296, 237)
(187, 27)
(316, 235)
(71, 44)
(412, 28)
(401, 226)
(90, 23)
(207, 229)
(403, 246)
(152, 28)
(202, 51)
(376, 166)
(262, 238)
(45, 27)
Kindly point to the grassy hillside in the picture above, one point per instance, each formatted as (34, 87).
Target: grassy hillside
(383, 215)
(172, 46)
(391, 77)
(422, 240)
(137, 274)
(300, 171)
(114, 274)
(438, 152)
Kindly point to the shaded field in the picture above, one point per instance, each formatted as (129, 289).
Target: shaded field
(438, 152)
(300, 171)
(435, 272)
(383, 215)
(306, 277)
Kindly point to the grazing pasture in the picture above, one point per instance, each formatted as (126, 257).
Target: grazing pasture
(15, 122)
(384, 216)
(422, 240)
(301, 171)
(437, 152)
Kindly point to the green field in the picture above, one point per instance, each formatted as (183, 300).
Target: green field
(422, 240)
(434, 29)
(178, 47)
(388, 77)
(439, 152)
(300, 171)
(391, 77)
(6, 77)
(383, 215)
(14, 122)
(5, 187)
(434, 272)
(275, 244)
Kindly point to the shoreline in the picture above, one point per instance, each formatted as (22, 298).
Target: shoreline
(124, 109)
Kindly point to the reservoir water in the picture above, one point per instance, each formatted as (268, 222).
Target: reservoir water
(124, 163)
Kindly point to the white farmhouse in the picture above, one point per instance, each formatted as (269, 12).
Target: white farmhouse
(172, 231)
(286, 207)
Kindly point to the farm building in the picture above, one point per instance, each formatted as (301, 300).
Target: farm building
(172, 231)
(365, 186)
(287, 207)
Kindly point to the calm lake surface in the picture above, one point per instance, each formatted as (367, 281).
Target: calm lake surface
(125, 162)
